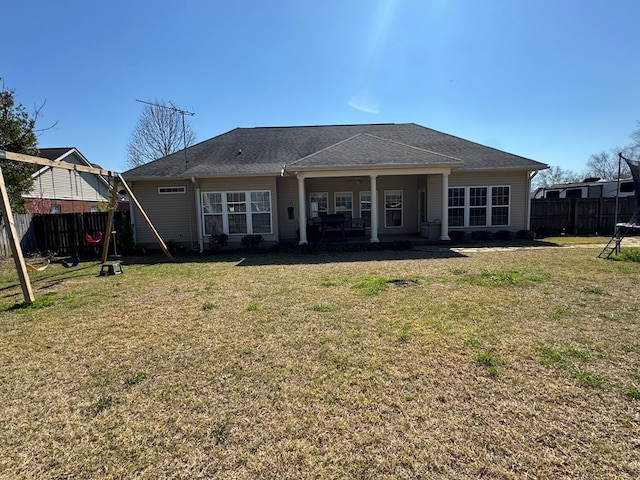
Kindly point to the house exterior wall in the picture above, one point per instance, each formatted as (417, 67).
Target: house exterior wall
(175, 215)
(287, 188)
(172, 215)
(516, 180)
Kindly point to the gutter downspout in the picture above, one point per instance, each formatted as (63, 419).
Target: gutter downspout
(198, 215)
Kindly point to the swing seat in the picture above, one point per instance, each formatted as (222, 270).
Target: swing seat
(96, 239)
(73, 264)
(39, 268)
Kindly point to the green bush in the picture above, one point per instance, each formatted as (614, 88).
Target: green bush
(480, 235)
(218, 241)
(251, 241)
(456, 235)
(524, 235)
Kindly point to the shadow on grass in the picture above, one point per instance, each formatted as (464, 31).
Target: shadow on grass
(319, 253)
(300, 256)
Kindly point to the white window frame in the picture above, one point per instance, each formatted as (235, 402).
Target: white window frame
(313, 199)
(345, 207)
(249, 207)
(172, 190)
(365, 206)
(388, 209)
(488, 205)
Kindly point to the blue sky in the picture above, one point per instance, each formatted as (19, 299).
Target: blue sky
(551, 80)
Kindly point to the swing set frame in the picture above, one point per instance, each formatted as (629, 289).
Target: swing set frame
(14, 241)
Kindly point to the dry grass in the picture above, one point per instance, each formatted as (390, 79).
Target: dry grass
(518, 364)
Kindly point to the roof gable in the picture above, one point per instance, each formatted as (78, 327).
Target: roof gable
(365, 150)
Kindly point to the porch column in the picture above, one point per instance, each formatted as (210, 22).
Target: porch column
(374, 209)
(444, 223)
(302, 210)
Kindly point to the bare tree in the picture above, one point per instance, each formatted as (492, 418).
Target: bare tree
(158, 133)
(555, 175)
(605, 165)
(633, 150)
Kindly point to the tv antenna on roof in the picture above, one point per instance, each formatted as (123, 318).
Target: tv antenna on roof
(182, 112)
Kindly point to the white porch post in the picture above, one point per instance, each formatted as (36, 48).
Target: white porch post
(302, 207)
(444, 223)
(374, 209)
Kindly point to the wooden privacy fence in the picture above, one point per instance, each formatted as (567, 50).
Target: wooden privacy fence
(579, 216)
(25, 234)
(66, 233)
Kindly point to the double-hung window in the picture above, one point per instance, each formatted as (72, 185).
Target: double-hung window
(213, 211)
(393, 208)
(500, 200)
(365, 207)
(457, 200)
(237, 213)
(344, 204)
(318, 203)
(479, 206)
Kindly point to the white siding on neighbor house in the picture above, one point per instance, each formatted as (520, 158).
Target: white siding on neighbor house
(63, 184)
(172, 215)
(517, 180)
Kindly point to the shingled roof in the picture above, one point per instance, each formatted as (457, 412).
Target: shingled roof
(266, 150)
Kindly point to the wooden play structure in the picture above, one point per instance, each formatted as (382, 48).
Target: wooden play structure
(21, 266)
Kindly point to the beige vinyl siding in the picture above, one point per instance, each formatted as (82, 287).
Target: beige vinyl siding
(516, 180)
(288, 195)
(173, 215)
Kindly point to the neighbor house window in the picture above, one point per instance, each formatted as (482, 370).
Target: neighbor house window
(56, 208)
(318, 203)
(171, 190)
(365, 207)
(627, 187)
(344, 204)
(237, 213)
(393, 208)
(479, 206)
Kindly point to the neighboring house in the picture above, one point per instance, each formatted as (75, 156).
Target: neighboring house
(58, 190)
(589, 188)
(397, 179)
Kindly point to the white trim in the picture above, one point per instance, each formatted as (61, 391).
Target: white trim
(394, 209)
(248, 212)
(488, 206)
(326, 194)
(335, 202)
